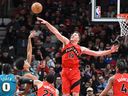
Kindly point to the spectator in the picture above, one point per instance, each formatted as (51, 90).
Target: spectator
(5, 58)
(100, 63)
(50, 62)
(41, 67)
(95, 83)
(48, 45)
(52, 70)
(37, 28)
(58, 84)
(102, 85)
(58, 68)
(89, 92)
(108, 70)
(21, 41)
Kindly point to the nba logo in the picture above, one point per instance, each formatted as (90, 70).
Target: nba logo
(98, 11)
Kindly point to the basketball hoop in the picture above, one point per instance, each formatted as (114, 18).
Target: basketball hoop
(123, 21)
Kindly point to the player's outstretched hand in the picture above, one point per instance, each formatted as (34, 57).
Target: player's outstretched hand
(42, 21)
(114, 48)
(32, 34)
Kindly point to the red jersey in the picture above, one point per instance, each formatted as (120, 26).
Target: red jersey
(120, 85)
(47, 89)
(70, 56)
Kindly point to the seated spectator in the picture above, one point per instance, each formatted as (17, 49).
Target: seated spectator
(100, 63)
(5, 58)
(49, 62)
(94, 82)
(42, 69)
(89, 92)
(58, 84)
(102, 82)
(52, 70)
(107, 70)
(58, 68)
(88, 71)
(37, 28)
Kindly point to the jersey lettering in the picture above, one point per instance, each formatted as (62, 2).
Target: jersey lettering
(71, 49)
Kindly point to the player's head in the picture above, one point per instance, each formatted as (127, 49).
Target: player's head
(50, 78)
(75, 37)
(121, 66)
(21, 64)
(6, 68)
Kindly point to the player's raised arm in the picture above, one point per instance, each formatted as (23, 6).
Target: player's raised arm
(108, 87)
(29, 47)
(87, 51)
(63, 39)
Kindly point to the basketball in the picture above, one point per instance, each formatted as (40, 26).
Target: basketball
(36, 7)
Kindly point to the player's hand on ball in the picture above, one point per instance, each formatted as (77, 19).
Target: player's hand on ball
(42, 21)
(114, 48)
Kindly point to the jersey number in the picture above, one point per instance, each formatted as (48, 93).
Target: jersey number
(46, 93)
(124, 89)
(6, 87)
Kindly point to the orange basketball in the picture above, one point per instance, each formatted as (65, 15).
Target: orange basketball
(36, 7)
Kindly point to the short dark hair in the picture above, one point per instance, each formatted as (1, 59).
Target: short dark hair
(122, 65)
(50, 78)
(19, 63)
(6, 68)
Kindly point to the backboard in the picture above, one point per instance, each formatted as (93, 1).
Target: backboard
(107, 10)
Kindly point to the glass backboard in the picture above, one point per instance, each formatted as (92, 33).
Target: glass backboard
(107, 10)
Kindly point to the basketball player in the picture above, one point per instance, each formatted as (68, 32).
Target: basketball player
(7, 81)
(70, 61)
(119, 81)
(24, 65)
(45, 88)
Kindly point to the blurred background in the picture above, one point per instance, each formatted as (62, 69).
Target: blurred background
(68, 16)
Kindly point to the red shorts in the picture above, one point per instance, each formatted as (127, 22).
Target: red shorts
(70, 80)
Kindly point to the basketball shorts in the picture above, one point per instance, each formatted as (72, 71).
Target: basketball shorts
(70, 80)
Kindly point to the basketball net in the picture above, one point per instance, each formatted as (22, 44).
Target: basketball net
(123, 22)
